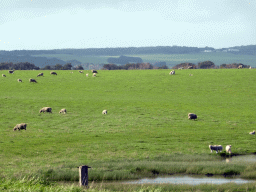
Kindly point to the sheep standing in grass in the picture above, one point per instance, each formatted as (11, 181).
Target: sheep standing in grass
(215, 148)
(87, 74)
(19, 80)
(81, 72)
(11, 71)
(3, 75)
(20, 126)
(192, 116)
(228, 149)
(40, 74)
(252, 133)
(46, 109)
(53, 73)
(94, 74)
(63, 111)
(104, 112)
(94, 71)
(32, 80)
(172, 73)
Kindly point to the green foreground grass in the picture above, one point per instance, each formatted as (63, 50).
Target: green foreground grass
(146, 131)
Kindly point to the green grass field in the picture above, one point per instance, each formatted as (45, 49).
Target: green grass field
(146, 129)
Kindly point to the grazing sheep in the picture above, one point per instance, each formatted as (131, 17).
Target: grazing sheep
(11, 71)
(53, 73)
(215, 148)
(3, 75)
(192, 116)
(240, 67)
(228, 149)
(40, 74)
(87, 74)
(104, 112)
(19, 80)
(252, 133)
(94, 71)
(94, 74)
(63, 111)
(81, 72)
(71, 72)
(32, 80)
(250, 67)
(46, 109)
(190, 74)
(172, 73)
(20, 126)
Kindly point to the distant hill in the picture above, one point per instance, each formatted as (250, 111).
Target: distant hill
(172, 55)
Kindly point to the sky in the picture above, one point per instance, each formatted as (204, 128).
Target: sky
(79, 24)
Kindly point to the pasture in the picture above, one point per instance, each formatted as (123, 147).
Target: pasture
(145, 131)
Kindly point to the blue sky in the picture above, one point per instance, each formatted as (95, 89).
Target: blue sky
(57, 24)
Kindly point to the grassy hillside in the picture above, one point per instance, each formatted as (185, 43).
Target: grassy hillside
(171, 59)
(146, 127)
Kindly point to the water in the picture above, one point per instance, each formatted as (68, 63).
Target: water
(188, 180)
(242, 158)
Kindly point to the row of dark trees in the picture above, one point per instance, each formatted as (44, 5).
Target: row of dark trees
(128, 66)
(131, 66)
(208, 65)
(18, 66)
(31, 66)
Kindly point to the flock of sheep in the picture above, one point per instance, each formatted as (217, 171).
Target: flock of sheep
(94, 72)
(194, 116)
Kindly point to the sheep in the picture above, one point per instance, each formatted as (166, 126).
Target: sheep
(172, 73)
(71, 72)
(94, 74)
(40, 74)
(19, 80)
(240, 67)
(190, 74)
(11, 71)
(192, 116)
(81, 72)
(53, 73)
(215, 148)
(63, 111)
(46, 109)
(20, 127)
(87, 74)
(3, 75)
(252, 133)
(181, 68)
(250, 67)
(94, 71)
(104, 112)
(32, 80)
(228, 149)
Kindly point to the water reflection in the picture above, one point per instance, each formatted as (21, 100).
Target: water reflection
(242, 158)
(187, 180)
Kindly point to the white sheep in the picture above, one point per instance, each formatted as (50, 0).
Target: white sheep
(104, 112)
(3, 75)
(94, 74)
(87, 74)
(46, 109)
(215, 148)
(63, 111)
(172, 73)
(228, 149)
(252, 133)
(19, 80)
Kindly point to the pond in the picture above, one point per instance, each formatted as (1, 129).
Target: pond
(188, 180)
(241, 158)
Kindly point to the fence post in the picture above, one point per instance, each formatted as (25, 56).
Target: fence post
(83, 175)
